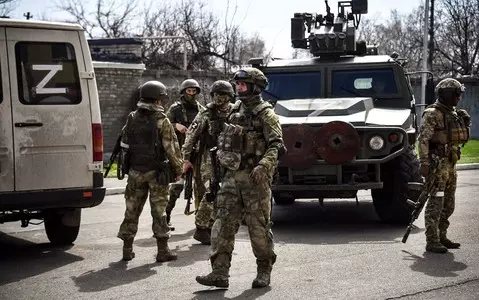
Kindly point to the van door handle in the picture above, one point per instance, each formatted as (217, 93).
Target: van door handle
(29, 124)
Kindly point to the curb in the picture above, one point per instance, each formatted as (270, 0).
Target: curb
(114, 191)
(474, 166)
(461, 167)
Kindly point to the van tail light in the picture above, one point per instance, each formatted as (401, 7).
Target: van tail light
(97, 142)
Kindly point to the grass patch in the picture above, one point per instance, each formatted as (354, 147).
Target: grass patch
(112, 173)
(469, 153)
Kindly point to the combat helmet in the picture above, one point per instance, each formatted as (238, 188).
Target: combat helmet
(152, 90)
(449, 85)
(190, 83)
(222, 86)
(251, 75)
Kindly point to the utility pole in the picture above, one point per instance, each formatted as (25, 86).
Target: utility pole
(28, 16)
(431, 37)
(424, 58)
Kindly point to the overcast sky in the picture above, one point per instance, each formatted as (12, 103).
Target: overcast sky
(270, 18)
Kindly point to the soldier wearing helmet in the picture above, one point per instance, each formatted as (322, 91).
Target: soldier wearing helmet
(150, 159)
(204, 131)
(444, 128)
(248, 150)
(181, 114)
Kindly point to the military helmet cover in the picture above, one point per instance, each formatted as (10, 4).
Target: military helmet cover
(251, 75)
(450, 84)
(222, 86)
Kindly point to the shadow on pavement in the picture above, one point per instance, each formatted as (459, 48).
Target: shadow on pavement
(116, 274)
(214, 293)
(22, 259)
(337, 222)
(435, 264)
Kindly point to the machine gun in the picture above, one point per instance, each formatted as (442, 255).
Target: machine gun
(215, 176)
(329, 35)
(188, 191)
(427, 189)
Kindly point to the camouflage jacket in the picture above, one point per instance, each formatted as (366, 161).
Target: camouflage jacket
(202, 131)
(165, 132)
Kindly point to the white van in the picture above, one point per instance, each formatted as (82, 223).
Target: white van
(51, 141)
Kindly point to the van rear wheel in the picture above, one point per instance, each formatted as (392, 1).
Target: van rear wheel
(62, 226)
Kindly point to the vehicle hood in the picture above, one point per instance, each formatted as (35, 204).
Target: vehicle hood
(359, 111)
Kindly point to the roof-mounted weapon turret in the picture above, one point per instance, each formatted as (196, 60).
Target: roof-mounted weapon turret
(330, 35)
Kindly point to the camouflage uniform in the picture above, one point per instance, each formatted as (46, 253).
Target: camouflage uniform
(148, 140)
(444, 128)
(184, 112)
(248, 150)
(204, 131)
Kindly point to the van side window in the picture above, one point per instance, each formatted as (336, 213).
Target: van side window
(47, 73)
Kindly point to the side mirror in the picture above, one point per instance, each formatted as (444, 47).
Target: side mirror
(430, 91)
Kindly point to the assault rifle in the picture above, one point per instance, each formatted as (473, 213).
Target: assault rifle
(114, 154)
(188, 191)
(215, 176)
(427, 189)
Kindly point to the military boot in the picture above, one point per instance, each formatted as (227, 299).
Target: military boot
(203, 235)
(128, 253)
(164, 253)
(435, 247)
(220, 274)
(263, 277)
(215, 278)
(448, 243)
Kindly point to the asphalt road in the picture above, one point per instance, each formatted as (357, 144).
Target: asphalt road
(340, 251)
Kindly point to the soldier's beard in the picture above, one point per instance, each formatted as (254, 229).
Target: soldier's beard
(450, 101)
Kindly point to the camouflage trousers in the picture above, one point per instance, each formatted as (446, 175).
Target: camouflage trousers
(238, 195)
(176, 188)
(136, 192)
(441, 206)
(204, 217)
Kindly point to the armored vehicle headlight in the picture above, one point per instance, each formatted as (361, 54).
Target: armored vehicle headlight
(376, 142)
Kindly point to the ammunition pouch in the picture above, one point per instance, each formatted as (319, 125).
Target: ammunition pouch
(230, 146)
(166, 174)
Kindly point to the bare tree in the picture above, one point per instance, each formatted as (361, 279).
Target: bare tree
(6, 7)
(112, 18)
(457, 37)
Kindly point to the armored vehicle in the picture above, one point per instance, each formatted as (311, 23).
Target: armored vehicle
(348, 117)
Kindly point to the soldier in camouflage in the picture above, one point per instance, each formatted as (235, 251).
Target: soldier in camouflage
(181, 114)
(204, 131)
(148, 141)
(444, 128)
(248, 151)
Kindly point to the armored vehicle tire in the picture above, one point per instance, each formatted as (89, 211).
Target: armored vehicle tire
(62, 226)
(390, 201)
(283, 200)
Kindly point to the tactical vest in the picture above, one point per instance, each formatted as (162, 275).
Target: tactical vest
(453, 131)
(184, 115)
(146, 150)
(244, 134)
(215, 125)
